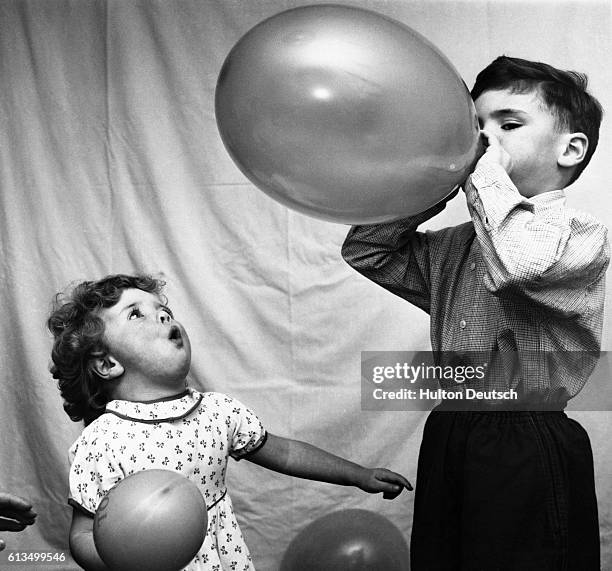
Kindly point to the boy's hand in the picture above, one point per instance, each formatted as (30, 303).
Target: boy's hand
(494, 152)
(378, 480)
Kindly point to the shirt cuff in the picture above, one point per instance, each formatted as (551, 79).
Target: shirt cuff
(492, 195)
(489, 174)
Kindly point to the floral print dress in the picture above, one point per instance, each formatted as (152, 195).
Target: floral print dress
(193, 434)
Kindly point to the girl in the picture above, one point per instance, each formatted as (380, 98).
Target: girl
(122, 361)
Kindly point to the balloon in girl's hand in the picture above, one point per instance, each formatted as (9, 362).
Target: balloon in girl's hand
(348, 540)
(345, 115)
(153, 520)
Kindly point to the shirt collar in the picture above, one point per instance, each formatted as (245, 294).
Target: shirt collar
(549, 198)
(160, 410)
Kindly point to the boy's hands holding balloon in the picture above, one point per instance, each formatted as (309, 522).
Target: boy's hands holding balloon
(490, 151)
(378, 480)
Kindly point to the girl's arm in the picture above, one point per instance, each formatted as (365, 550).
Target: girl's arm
(296, 458)
(82, 545)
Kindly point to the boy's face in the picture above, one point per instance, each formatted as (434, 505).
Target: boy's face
(527, 131)
(141, 333)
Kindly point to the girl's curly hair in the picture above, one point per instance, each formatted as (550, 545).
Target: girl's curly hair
(78, 333)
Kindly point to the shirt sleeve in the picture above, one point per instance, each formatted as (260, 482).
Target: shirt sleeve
(535, 247)
(93, 471)
(394, 255)
(245, 431)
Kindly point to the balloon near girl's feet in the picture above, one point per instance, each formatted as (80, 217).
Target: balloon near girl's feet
(348, 540)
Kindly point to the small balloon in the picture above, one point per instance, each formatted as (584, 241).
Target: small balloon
(348, 540)
(154, 520)
(345, 114)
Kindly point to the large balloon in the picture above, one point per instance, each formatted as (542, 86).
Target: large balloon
(154, 520)
(348, 540)
(345, 115)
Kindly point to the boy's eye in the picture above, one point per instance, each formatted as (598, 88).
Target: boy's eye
(509, 126)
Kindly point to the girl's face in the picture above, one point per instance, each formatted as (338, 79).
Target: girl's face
(143, 336)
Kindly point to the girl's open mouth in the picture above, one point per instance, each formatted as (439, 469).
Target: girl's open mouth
(175, 336)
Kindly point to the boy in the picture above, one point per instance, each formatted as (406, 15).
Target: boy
(511, 490)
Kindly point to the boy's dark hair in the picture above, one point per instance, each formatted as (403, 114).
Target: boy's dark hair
(78, 334)
(563, 92)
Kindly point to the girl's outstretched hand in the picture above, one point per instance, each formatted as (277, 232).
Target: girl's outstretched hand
(376, 480)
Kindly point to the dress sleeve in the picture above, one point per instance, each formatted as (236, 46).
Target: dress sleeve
(536, 248)
(246, 433)
(394, 255)
(93, 471)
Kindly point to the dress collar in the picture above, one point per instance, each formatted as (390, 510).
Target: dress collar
(159, 410)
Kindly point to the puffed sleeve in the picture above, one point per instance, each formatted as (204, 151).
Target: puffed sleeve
(246, 433)
(93, 470)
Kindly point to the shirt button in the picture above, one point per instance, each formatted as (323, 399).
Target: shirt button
(473, 266)
(462, 324)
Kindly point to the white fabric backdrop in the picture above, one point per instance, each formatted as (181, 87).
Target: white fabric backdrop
(111, 162)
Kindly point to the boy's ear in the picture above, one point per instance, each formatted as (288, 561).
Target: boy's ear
(574, 150)
(107, 367)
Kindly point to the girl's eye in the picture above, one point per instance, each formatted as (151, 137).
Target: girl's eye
(134, 313)
(510, 126)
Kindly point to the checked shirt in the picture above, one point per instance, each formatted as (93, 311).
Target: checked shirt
(524, 281)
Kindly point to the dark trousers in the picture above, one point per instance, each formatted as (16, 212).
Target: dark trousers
(505, 491)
